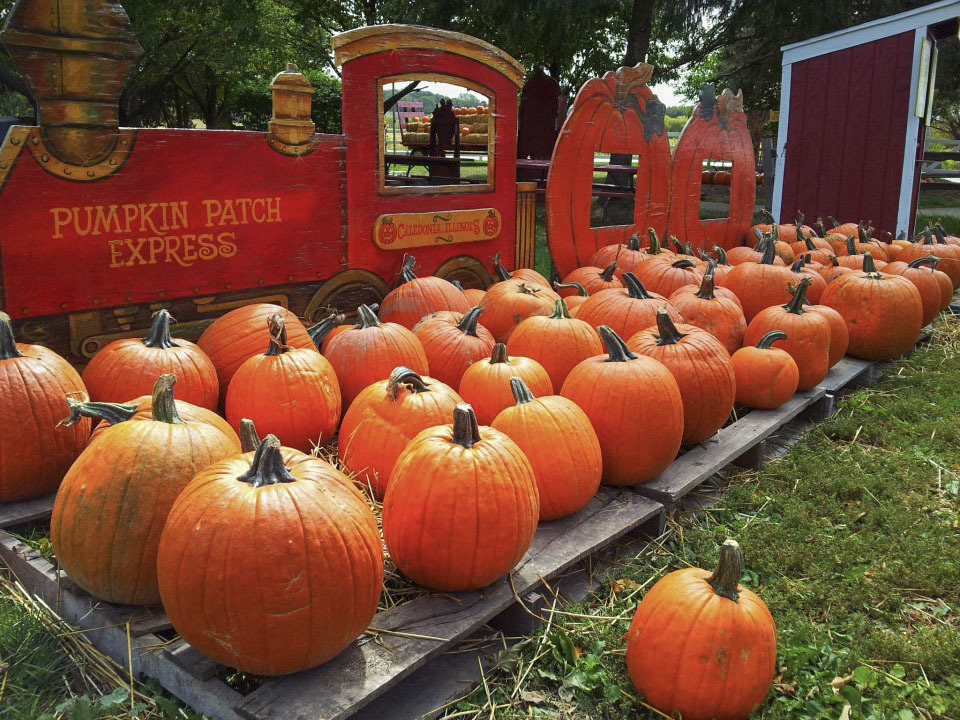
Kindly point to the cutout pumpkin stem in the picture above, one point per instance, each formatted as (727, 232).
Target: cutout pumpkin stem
(466, 431)
(608, 271)
(521, 393)
(267, 467)
(402, 376)
(498, 267)
(617, 350)
(366, 318)
(249, 439)
(8, 343)
(112, 413)
(667, 332)
(499, 354)
(560, 310)
(726, 577)
(795, 305)
(406, 270)
(931, 260)
(635, 288)
(708, 285)
(468, 323)
(278, 335)
(318, 333)
(164, 407)
(159, 333)
(577, 286)
(767, 341)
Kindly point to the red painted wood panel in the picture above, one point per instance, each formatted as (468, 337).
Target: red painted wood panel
(191, 212)
(365, 201)
(847, 124)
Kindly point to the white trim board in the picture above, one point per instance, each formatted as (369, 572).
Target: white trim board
(870, 31)
(781, 146)
(904, 221)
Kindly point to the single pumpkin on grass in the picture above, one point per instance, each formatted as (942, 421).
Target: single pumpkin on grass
(291, 568)
(701, 366)
(558, 342)
(115, 498)
(462, 505)
(368, 351)
(486, 384)
(509, 303)
(242, 333)
(766, 376)
(384, 417)
(716, 310)
(561, 445)
(808, 335)
(37, 451)
(129, 367)
(291, 393)
(702, 645)
(628, 398)
(419, 296)
(452, 342)
(626, 311)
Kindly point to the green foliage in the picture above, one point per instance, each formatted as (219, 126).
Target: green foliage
(675, 124)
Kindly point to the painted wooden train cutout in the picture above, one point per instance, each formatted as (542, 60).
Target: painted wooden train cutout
(102, 225)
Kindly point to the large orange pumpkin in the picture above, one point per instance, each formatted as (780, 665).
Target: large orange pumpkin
(558, 342)
(716, 310)
(36, 452)
(291, 568)
(839, 334)
(628, 397)
(462, 505)
(416, 297)
(701, 366)
(384, 417)
(509, 303)
(242, 333)
(666, 277)
(486, 384)
(367, 352)
(927, 245)
(766, 376)
(626, 311)
(926, 283)
(760, 285)
(111, 507)
(129, 367)
(702, 645)
(561, 445)
(452, 342)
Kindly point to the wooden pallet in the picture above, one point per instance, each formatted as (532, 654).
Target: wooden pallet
(27, 511)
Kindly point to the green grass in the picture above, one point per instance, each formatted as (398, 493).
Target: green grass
(950, 223)
(851, 539)
(934, 201)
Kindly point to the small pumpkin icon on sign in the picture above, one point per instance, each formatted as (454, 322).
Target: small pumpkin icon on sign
(388, 231)
(491, 225)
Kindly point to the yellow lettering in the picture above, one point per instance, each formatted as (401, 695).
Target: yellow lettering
(135, 251)
(107, 220)
(83, 231)
(273, 213)
(129, 215)
(227, 248)
(189, 251)
(61, 217)
(228, 216)
(116, 256)
(259, 218)
(208, 251)
(179, 210)
(244, 204)
(156, 245)
(214, 208)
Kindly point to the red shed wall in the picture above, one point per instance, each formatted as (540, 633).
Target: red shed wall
(845, 137)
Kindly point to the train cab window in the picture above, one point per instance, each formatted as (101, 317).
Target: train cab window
(437, 135)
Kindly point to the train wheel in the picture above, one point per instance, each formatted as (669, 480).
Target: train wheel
(468, 270)
(345, 291)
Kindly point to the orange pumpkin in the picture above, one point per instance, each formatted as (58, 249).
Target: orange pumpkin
(716, 310)
(628, 397)
(416, 297)
(38, 450)
(509, 303)
(591, 279)
(701, 645)
(760, 285)
(927, 245)
(766, 376)
(925, 282)
(626, 311)
(462, 505)
(832, 270)
(573, 301)
(320, 571)
(855, 255)
(561, 445)
(474, 295)
(666, 277)
(839, 335)
(329, 326)
(453, 342)
(486, 384)
(526, 274)
(801, 270)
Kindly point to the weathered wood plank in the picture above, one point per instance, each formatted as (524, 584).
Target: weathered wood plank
(368, 668)
(26, 511)
(845, 372)
(699, 463)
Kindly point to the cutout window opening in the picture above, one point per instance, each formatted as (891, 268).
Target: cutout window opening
(614, 189)
(437, 134)
(715, 189)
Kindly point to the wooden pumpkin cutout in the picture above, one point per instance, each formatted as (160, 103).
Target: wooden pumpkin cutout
(717, 130)
(615, 114)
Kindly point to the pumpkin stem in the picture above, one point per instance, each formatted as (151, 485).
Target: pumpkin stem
(667, 333)
(521, 393)
(654, 248)
(761, 240)
(527, 289)
(795, 305)
(685, 263)
(499, 354)
(851, 246)
(797, 265)
(278, 335)
(498, 267)
(706, 291)
(617, 350)
(8, 343)
(820, 228)
(633, 243)
(466, 431)
(468, 323)
(406, 270)
(931, 260)
(164, 408)
(928, 236)
(608, 271)
(766, 215)
(868, 266)
(560, 310)
(798, 220)
(726, 577)
(319, 332)
(635, 288)
(457, 285)
(861, 235)
(940, 234)
(249, 440)
(404, 376)
(577, 286)
(267, 467)
(769, 253)
(113, 413)
(676, 243)
(770, 338)
(835, 261)
(902, 235)
(159, 334)
(833, 221)
(721, 255)
(366, 318)
(808, 241)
